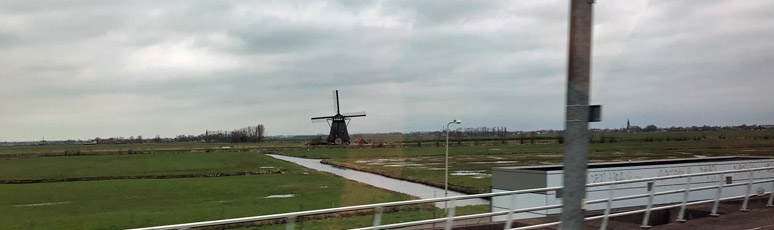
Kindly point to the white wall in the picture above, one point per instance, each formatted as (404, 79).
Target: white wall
(554, 178)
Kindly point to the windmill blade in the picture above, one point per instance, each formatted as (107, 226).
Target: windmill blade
(322, 118)
(336, 101)
(355, 114)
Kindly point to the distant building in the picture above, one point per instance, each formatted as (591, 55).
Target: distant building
(360, 141)
(767, 126)
(630, 128)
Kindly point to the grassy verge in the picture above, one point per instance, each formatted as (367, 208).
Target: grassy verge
(367, 220)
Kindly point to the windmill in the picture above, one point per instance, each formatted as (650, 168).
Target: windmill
(338, 123)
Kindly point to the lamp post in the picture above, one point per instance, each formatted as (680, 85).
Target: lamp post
(446, 175)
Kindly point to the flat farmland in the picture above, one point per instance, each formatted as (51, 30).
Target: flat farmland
(138, 165)
(125, 203)
(471, 162)
(145, 148)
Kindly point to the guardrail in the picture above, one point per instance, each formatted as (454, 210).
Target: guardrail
(450, 218)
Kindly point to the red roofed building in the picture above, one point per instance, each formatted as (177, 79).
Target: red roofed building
(360, 141)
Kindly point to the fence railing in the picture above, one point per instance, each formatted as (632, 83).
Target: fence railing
(378, 209)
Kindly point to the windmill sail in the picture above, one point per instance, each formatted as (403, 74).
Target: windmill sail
(336, 101)
(338, 122)
(355, 114)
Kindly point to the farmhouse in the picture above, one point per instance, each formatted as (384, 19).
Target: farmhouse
(360, 141)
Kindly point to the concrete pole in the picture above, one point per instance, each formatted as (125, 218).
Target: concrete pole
(446, 171)
(576, 145)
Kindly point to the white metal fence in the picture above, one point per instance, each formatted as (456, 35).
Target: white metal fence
(649, 193)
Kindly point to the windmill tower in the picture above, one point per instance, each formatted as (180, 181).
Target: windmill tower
(338, 123)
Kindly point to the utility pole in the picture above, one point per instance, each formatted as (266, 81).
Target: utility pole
(578, 114)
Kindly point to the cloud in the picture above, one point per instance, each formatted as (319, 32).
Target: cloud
(100, 68)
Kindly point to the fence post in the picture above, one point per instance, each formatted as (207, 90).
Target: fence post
(681, 215)
(652, 191)
(609, 205)
(450, 216)
(718, 194)
(291, 223)
(747, 195)
(510, 214)
(378, 216)
(771, 198)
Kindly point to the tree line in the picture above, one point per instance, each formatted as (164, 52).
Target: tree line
(246, 134)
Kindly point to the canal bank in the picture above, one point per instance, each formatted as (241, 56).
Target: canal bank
(406, 187)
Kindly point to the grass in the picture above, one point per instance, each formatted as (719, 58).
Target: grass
(145, 148)
(387, 218)
(114, 204)
(136, 165)
(473, 164)
(125, 203)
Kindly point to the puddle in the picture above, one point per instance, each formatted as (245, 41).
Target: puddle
(42, 204)
(404, 165)
(466, 173)
(477, 174)
(267, 167)
(281, 196)
(492, 162)
(406, 187)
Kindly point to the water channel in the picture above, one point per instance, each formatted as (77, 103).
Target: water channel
(401, 186)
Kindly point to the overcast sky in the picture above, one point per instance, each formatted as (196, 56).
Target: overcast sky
(83, 69)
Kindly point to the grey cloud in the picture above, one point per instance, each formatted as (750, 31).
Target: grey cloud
(72, 66)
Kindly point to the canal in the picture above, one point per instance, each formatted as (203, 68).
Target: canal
(401, 186)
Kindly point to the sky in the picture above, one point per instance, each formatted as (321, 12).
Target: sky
(85, 69)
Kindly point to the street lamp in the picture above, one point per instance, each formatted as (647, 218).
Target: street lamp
(446, 175)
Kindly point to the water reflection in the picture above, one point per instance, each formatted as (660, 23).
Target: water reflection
(401, 186)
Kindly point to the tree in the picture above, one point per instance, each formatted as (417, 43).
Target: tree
(651, 128)
(261, 130)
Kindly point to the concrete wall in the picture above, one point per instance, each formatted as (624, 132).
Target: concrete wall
(518, 179)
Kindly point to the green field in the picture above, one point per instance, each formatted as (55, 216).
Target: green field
(137, 165)
(471, 160)
(113, 204)
(112, 201)
(146, 148)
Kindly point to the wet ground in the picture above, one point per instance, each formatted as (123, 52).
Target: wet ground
(401, 186)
